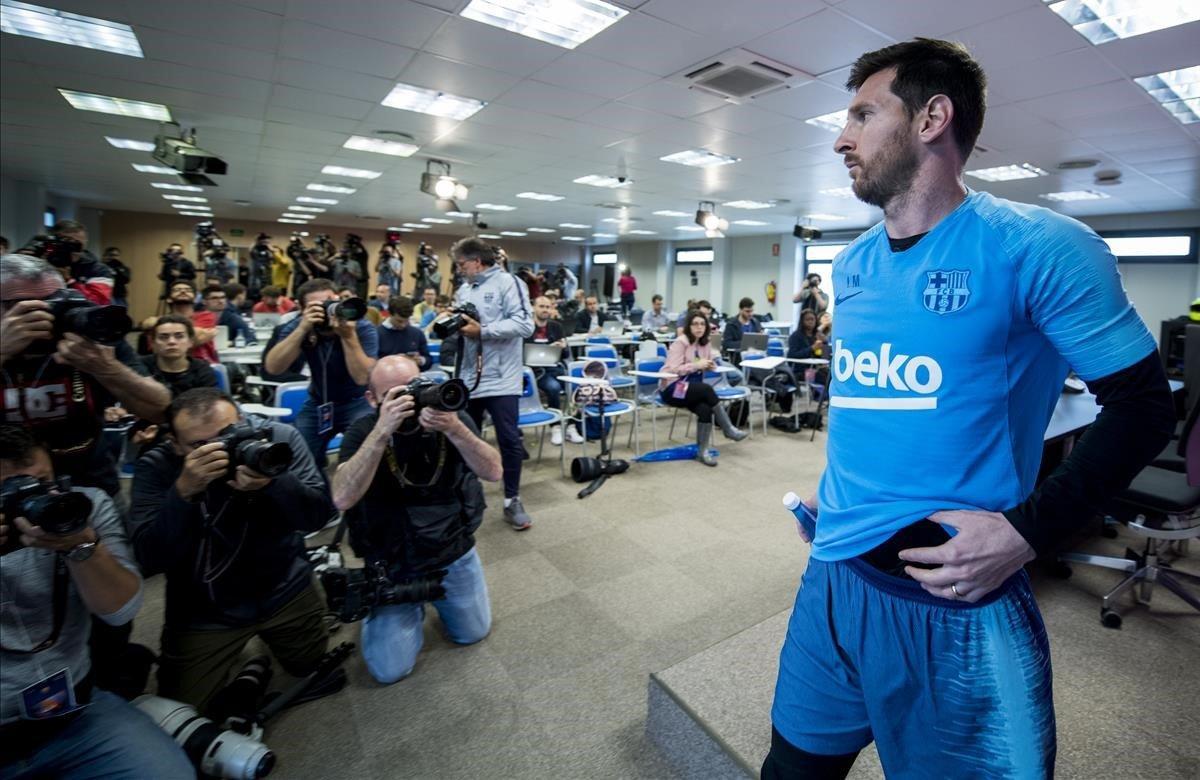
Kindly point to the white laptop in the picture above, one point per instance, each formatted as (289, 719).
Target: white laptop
(613, 328)
(542, 355)
(266, 319)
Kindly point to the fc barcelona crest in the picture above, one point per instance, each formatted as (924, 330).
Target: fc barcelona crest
(946, 291)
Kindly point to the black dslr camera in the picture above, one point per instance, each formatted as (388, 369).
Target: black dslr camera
(73, 313)
(50, 506)
(449, 396)
(55, 250)
(253, 448)
(353, 593)
(453, 321)
(350, 310)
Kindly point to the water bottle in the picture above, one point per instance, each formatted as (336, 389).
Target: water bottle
(807, 520)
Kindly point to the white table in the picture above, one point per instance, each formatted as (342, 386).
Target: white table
(654, 374)
(808, 361)
(766, 363)
(266, 411)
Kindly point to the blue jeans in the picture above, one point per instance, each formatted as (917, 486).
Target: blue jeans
(548, 383)
(392, 636)
(343, 415)
(110, 739)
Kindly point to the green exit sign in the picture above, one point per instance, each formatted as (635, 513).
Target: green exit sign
(237, 232)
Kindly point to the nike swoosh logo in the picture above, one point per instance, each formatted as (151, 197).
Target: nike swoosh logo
(844, 298)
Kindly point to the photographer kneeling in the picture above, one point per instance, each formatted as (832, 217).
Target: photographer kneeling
(409, 486)
(221, 508)
(65, 558)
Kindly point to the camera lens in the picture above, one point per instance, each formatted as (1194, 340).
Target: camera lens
(350, 309)
(102, 324)
(267, 458)
(60, 514)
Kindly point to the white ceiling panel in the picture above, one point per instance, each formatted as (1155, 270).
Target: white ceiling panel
(240, 26)
(1011, 127)
(1111, 97)
(1051, 75)
(742, 119)
(334, 81)
(712, 17)
(458, 78)
(820, 43)
(586, 73)
(626, 118)
(1118, 122)
(1037, 28)
(805, 101)
(303, 41)
(537, 96)
(1156, 52)
(674, 99)
(403, 23)
(252, 63)
(929, 18)
(490, 47)
(648, 44)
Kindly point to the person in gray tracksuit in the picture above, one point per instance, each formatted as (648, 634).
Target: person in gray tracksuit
(492, 357)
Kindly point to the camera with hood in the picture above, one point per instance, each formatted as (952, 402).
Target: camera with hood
(74, 313)
(454, 320)
(252, 447)
(353, 593)
(49, 505)
(55, 250)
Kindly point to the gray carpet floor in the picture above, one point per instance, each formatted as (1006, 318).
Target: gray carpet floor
(663, 562)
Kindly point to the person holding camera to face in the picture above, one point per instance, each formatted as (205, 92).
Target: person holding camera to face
(66, 250)
(65, 361)
(175, 267)
(65, 560)
(810, 296)
(340, 346)
(221, 508)
(408, 483)
(491, 356)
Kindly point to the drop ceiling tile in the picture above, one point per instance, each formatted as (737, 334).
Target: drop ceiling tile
(434, 72)
(648, 44)
(334, 81)
(713, 17)
(422, 127)
(1157, 138)
(403, 23)
(308, 42)
(741, 119)
(674, 99)
(240, 26)
(547, 98)
(254, 63)
(820, 43)
(1037, 28)
(1110, 97)
(316, 121)
(1119, 122)
(1011, 127)
(931, 18)
(805, 101)
(625, 118)
(587, 73)
(490, 47)
(1155, 52)
(1167, 167)
(1054, 74)
(319, 102)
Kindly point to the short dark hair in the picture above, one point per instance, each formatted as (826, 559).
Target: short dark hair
(343, 288)
(110, 249)
(703, 304)
(198, 401)
(68, 226)
(174, 319)
(474, 249)
(213, 289)
(656, 297)
(234, 289)
(312, 286)
(185, 283)
(400, 306)
(17, 445)
(271, 291)
(443, 300)
(746, 303)
(926, 67)
(687, 327)
(4, 240)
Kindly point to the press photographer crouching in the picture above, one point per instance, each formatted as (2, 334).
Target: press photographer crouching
(221, 508)
(65, 558)
(408, 483)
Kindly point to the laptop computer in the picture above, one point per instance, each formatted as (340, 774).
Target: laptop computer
(542, 355)
(613, 328)
(754, 342)
(266, 319)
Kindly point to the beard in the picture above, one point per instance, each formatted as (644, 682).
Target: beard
(890, 174)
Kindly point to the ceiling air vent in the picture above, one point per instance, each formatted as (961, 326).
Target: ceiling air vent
(739, 75)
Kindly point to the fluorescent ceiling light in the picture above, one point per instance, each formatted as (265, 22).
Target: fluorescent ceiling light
(186, 198)
(129, 143)
(749, 204)
(1151, 246)
(596, 180)
(416, 226)
(339, 189)
(1072, 195)
(379, 146)
(565, 23)
(160, 169)
(302, 217)
(689, 228)
(538, 196)
(103, 104)
(540, 230)
(825, 217)
(642, 233)
(833, 121)
(437, 220)
(615, 220)
(354, 173)
(670, 213)
(406, 97)
(292, 221)
(401, 229)
(699, 158)
(514, 233)
(749, 222)
(575, 225)
(191, 206)
(463, 214)
(604, 235)
(195, 214)
(1101, 21)
(1178, 91)
(489, 235)
(494, 207)
(322, 201)
(162, 185)
(839, 192)
(49, 24)
(1008, 172)
(313, 209)
(573, 238)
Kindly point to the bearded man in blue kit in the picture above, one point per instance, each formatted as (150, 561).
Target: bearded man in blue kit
(915, 626)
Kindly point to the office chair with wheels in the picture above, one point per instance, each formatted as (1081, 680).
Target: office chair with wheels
(1163, 506)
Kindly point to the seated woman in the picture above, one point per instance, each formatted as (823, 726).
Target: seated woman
(688, 358)
(808, 341)
(825, 326)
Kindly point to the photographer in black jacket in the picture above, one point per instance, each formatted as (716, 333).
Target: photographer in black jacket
(230, 541)
(413, 500)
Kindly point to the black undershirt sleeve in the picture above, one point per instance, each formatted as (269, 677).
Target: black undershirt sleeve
(1136, 421)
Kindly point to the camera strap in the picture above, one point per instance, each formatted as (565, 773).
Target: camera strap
(59, 601)
(401, 473)
(458, 361)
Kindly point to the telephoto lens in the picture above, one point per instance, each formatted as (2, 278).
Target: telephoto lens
(252, 447)
(350, 310)
(73, 313)
(236, 704)
(449, 396)
(214, 751)
(51, 506)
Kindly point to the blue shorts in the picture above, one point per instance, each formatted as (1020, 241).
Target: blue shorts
(944, 688)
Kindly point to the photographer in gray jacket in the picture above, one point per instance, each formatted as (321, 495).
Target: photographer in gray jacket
(492, 357)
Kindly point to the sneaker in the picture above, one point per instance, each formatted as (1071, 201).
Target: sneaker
(516, 516)
(556, 436)
(573, 435)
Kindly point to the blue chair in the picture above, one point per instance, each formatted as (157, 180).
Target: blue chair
(647, 395)
(222, 376)
(776, 348)
(613, 411)
(725, 394)
(662, 350)
(616, 377)
(531, 413)
(291, 395)
(599, 340)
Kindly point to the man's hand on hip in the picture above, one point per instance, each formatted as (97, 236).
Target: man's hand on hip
(986, 551)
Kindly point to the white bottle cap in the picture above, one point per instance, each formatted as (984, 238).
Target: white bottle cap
(791, 501)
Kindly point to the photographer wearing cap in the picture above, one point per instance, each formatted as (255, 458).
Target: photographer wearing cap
(408, 482)
(492, 359)
(65, 559)
(55, 381)
(339, 352)
(221, 509)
